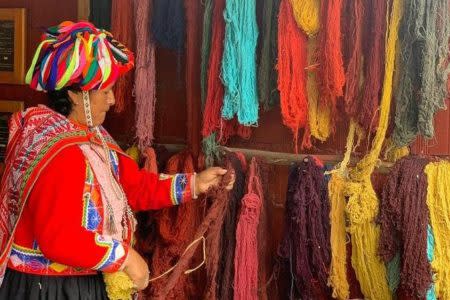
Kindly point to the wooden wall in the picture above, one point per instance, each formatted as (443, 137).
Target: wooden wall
(40, 14)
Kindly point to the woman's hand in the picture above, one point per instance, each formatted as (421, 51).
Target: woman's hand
(136, 268)
(211, 177)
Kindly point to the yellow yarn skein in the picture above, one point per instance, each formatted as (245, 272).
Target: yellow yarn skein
(307, 15)
(438, 201)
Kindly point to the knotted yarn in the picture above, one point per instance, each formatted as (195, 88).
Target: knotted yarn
(404, 219)
(239, 62)
(307, 15)
(122, 28)
(438, 199)
(144, 75)
(246, 254)
(362, 205)
(331, 68)
(292, 60)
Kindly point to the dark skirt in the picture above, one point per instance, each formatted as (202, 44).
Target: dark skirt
(21, 286)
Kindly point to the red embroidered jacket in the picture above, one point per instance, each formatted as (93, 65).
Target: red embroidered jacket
(60, 231)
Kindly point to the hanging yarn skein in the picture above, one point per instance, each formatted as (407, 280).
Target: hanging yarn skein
(214, 247)
(206, 47)
(122, 28)
(246, 256)
(220, 196)
(362, 205)
(267, 77)
(306, 242)
(307, 13)
(354, 68)
(225, 276)
(168, 26)
(438, 199)
(404, 219)
(292, 60)
(331, 68)
(375, 15)
(176, 227)
(215, 89)
(435, 66)
(425, 35)
(145, 89)
(239, 62)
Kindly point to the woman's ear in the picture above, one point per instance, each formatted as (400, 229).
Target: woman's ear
(75, 97)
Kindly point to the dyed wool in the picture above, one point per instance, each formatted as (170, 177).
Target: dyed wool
(168, 24)
(239, 62)
(438, 199)
(225, 275)
(145, 89)
(425, 36)
(219, 203)
(206, 46)
(292, 60)
(122, 28)
(176, 227)
(319, 112)
(215, 90)
(331, 69)
(336, 187)
(100, 13)
(409, 64)
(307, 14)
(306, 242)
(435, 68)
(404, 219)
(375, 15)
(267, 77)
(246, 256)
(362, 205)
(354, 68)
(216, 243)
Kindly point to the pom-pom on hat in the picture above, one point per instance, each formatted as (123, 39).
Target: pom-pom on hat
(78, 54)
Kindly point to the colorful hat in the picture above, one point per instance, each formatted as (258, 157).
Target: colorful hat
(78, 54)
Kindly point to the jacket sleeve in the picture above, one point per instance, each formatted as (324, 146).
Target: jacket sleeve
(60, 207)
(149, 191)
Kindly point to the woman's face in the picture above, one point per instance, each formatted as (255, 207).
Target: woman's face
(101, 102)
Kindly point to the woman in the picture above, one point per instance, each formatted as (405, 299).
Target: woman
(68, 190)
